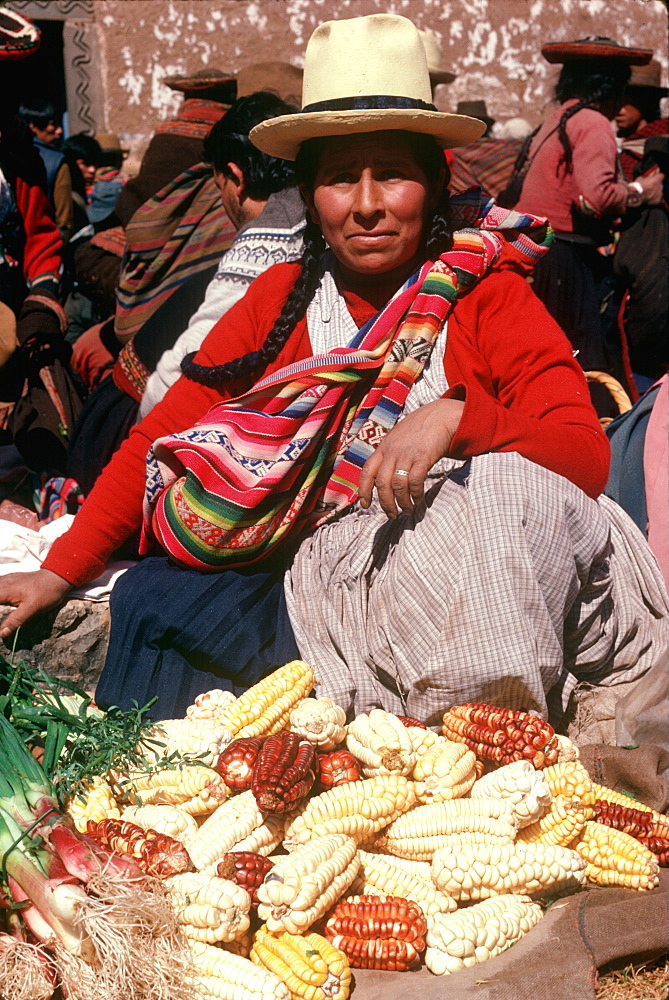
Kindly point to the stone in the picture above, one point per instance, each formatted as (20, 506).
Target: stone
(69, 642)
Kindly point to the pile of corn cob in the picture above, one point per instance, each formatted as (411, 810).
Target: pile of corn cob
(297, 846)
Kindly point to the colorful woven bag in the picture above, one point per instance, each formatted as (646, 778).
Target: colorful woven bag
(257, 471)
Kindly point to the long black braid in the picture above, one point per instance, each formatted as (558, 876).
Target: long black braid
(438, 241)
(592, 82)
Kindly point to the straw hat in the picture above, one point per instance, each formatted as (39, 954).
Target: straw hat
(595, 47)
(365, 74)
(19, 37)
(434, 59)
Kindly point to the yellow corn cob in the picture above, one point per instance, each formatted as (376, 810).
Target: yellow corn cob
(572, 805)
(210, 704)
(311, 967)
(479, 932)
(358, 809)
(195, 788)
(423, 739)
(163, 819)
(378, 876)
(320, 721)
(96, 802)
(522, 785)
(209, 909)
(426, 829)
(616, 858)
(231, 823)
(186, 738)
(478, 871)
(605, 794)
(381, 742)
(265, 708)
(224, 976)
(445, 771)
(302, 886)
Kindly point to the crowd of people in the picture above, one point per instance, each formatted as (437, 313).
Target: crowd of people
(319, 370)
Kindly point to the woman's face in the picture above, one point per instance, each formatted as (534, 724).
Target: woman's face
(372, 200)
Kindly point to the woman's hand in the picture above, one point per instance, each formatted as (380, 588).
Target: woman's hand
(412, 446)
(32, 593)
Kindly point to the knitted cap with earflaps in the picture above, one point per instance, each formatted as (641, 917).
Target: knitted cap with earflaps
(365, 74)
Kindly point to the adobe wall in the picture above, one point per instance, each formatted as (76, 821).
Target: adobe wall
(493, 45)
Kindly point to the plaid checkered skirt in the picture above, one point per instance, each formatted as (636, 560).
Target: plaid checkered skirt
(510, 587)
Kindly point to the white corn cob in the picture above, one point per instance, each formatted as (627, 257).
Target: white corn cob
(467, 937)
(190, 738)
(230, 824)
(320, 721)
(209, 909)
(163, 819)
(426, 829)
(95, 802)
(445, 771)
(358, 809)
(478, 871)
(196, 789)
(224, 976)
(420, 868)
(423, 739)
(302, 886)
(210, 704)
(567, 751)
(378, 876)
(381, 742)
(521, 784)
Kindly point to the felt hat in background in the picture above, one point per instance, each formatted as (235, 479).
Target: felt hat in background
(280, 78)
(475, 109)
(364, 74)
(648, 77)
(208, 84)
(595, 47)
(435, 59)
(19, 37)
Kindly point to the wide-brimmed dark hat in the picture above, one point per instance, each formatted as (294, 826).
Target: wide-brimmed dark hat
(19, 37)
(475, 109)
(595, 47)
(204, 79)
(648, 77)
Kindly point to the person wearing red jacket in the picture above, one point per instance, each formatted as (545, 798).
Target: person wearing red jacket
(474, 562)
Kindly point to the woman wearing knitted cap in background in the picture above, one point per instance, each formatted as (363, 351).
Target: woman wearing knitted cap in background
(574, 178)
(404, 494)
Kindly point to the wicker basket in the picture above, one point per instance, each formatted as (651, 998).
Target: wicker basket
(620, 397)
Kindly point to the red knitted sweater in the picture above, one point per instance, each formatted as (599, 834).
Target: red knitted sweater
(524, 392)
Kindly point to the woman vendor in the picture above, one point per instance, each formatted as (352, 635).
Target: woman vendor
(464, 556)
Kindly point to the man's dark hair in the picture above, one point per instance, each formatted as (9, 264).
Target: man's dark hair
(38, 112)
(228, 142)
(82, 147)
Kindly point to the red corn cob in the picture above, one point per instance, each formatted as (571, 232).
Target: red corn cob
(235, 764)
(337, 768)
(378, 932)
(245, 869)
(650, 828)
(283, 773)
(501, 735)
(155, 853)
(408, 720)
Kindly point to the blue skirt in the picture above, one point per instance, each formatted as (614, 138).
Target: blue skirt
(176, 633)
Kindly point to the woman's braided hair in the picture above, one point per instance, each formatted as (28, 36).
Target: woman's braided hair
(438, 241)
(591, 82)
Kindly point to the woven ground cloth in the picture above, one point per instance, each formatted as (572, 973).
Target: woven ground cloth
(509, 586)
(558, 959)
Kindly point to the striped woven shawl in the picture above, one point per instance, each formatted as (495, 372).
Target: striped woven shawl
(284, 457)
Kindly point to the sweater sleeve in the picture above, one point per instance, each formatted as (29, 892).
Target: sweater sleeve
(42, 257)
(524, 391)
(595, 158)
(113, 509)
